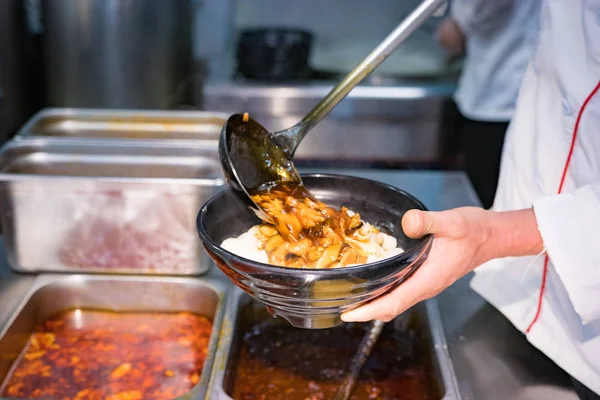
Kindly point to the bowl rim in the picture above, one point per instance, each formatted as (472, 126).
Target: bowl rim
(423, 245)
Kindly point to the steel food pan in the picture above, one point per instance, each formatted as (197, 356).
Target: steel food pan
(83, 123)
(28, 145)
(52, 294)
(429, 326)
(104, 210)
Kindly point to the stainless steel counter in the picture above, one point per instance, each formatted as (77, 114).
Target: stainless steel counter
(491, 358)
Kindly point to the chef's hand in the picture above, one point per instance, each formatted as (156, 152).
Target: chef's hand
(451, 37)
(464, 238)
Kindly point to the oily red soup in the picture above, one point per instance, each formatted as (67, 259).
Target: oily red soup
(89, 354)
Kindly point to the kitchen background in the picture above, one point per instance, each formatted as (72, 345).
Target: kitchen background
(180, 54)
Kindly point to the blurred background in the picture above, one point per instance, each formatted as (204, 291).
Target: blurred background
(206, 55)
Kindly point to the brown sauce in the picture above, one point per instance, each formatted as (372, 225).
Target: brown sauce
(306, 233)
(84, 354)
(274, 361)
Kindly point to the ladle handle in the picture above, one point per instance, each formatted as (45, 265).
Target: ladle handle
(359, 359)
(361, 71)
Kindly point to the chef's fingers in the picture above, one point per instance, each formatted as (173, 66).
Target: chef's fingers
(417, 223)
(388, 307)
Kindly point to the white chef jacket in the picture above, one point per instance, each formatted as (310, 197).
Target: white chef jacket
(564, 71)
(500, 35)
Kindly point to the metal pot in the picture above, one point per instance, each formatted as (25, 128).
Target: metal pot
(116, 53)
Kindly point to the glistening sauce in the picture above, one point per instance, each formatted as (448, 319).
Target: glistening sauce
(306, 233)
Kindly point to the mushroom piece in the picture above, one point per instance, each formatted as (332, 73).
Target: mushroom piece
(330, 255)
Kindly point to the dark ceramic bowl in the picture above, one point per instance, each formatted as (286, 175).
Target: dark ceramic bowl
(315, 298)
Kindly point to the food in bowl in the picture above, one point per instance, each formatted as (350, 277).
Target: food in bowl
(315, 298)
(91, 354)
(303, 232)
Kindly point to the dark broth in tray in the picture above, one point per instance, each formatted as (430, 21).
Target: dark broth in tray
(272, 360)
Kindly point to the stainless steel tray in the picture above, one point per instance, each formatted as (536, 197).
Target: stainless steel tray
(106, 208)
(54, 293)
(428, 317)
(83, 123)
(26, 145)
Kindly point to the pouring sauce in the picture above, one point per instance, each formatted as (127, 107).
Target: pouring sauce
(298, 231)
(306, 233)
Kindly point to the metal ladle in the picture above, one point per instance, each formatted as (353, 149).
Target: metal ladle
(363, 352)
(251, 156)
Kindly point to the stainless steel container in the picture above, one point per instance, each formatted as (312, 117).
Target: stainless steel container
(165, 127)
(52, 294)
(105, 208)
(426, 313)
(117, 54)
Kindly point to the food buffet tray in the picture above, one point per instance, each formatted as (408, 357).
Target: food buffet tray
(34, 144)
(83, 123)
(424, 317)
(105, 208)
(52, 294)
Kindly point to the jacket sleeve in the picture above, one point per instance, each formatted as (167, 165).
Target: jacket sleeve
(569, 224)
(481, 17)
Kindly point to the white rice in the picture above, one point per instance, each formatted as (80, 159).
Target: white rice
(378, 245)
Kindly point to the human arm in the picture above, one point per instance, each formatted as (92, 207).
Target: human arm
(451, 37)
(471, 18)
(566, 225)
(464, 238)
(480, 17)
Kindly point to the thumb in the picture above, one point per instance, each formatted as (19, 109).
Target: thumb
(417, 223)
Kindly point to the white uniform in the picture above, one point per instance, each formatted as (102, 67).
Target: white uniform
(564, 72)
(500, 35)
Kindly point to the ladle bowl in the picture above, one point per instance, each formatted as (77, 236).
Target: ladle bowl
(315, 298)
(249, 158)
